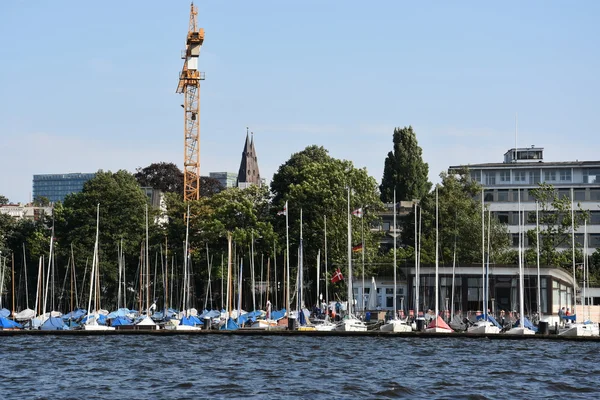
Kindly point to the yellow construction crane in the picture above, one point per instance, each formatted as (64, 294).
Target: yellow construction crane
(189, 85)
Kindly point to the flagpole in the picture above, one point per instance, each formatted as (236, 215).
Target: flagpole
(349, 256)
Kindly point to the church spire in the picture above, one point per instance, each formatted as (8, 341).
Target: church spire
(249, 173)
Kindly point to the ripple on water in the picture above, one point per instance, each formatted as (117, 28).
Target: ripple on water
(294, 367)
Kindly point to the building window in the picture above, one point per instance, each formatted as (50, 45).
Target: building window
(476, 176)
(591, 175)
(534, 176)
(594, 240)
(515, 239)
(565, 175)
(549, 175)
(594, 194)
(502, 217)
(595, 217)
(490, 178)
(503, 195)
(488, 195)
(579, 194)
(505, 176)
(520, 176)
(564, 193)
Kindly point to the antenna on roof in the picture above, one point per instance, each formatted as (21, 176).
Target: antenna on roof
(516, 132)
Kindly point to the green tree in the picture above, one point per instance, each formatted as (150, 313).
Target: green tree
(122, 218)
(3, 200)
(459, 222)
(41, 201)
(555, 225)
(163, 176)
(317, 184)
(404, 169)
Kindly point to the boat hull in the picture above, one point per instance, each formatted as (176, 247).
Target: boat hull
(396, 326)
(438, 329)
(580, 330)
(518, 331)
(483, 329)
(351, 325)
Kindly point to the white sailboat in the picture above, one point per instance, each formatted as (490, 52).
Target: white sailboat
(521, 329)
(587, 328)
(145, 322)
(91, 323)
(484, 325)
(395, 324)
(437, 325)
(350, 323)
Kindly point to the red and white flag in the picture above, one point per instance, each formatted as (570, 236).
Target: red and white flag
(337, 276)
(284, 212)
(358, 212)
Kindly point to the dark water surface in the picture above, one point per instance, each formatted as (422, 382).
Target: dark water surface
(218, 366)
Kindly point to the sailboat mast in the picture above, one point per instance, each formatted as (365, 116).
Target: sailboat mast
(252, 270)
(436, 257)
(349, 257)
(573, 247)
(147, 268)
(537, 242)
(521, 278)
(487, 266)
(418, 270)
(229, 273)
(94, 260)
(483, 307)
(394, 236)
(416, 267)
(287, 255)
(318, 278)
(301, 268)
(26, 285)
(362, 229)
(326, 292)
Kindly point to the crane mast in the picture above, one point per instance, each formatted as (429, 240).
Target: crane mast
(189, 85)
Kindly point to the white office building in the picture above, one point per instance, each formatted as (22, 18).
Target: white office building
(522, 170)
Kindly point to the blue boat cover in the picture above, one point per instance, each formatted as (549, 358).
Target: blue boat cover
(277, 315)
(570, 317)
(75, 314)
(230, 325)
(119, 321)
(491, 319)
(301, 318)
(4, 313)
(101, 319)
(6, 323)
(54, 324)
(189, 321)
(527, 324)
(121, 312)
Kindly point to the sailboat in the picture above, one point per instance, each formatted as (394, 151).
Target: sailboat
(350, 323)
(587, 328)
(187, 321)
(145, 322)
(521, 329)
(93, 316)
(395, 324)
(486, 324)
(437, 325)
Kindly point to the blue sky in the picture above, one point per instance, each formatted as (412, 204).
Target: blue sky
(88, 85)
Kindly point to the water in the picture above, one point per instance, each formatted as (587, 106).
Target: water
(218, 366)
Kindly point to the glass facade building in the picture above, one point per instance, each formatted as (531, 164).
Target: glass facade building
(226, 179)
(55, 187)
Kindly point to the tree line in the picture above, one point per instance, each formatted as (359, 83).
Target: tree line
(310, 181)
